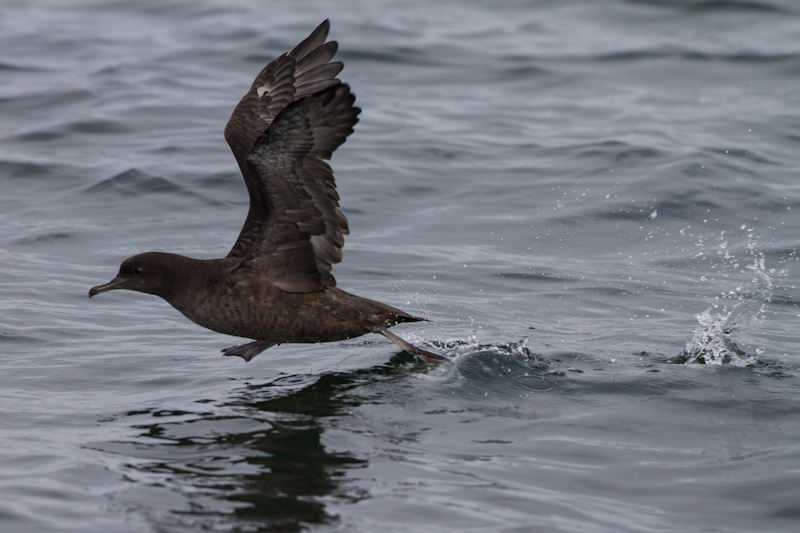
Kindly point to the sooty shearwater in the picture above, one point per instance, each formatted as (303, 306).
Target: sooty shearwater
(275, 285)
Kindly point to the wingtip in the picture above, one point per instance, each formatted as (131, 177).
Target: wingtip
(323, 29)
(313, 41)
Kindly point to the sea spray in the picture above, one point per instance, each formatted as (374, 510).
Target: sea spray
(712, 342)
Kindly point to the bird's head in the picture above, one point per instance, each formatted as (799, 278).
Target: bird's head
(151, 273)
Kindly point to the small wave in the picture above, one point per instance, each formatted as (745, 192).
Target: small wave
(44, 238)
(492, 371)
(461, 348)
(27, 170)
(134, 182)
(685, 54)
(718, 6)
(17, 67)
(613, 152)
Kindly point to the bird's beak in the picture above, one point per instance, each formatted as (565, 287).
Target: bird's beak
(115, 283)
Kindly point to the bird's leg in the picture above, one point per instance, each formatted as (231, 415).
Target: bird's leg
(249, 350)
(425, 355)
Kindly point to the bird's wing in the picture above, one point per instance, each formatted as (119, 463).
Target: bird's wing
(303, 232)
(303, 71)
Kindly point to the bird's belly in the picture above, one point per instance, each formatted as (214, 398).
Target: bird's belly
(285, 318)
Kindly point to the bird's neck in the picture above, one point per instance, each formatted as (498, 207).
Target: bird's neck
(186, 278)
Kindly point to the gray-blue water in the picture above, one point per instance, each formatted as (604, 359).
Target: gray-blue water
(589, 199)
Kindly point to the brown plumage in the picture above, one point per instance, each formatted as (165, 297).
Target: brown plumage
(275, 285)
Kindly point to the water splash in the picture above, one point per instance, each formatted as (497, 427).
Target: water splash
(457, 347)
(711, 342)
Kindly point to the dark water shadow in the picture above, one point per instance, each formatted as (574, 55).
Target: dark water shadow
(255, 461)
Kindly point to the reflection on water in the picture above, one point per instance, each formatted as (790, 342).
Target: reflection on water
(264, 460)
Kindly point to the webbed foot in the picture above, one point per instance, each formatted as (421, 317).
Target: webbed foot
(425, 355)
(249, 350)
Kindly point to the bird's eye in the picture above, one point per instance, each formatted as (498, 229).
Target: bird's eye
(137, 270)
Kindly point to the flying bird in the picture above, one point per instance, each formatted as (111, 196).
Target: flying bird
(275, 286)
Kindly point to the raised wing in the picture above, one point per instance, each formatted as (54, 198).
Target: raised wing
(303, 233)
(303, 71)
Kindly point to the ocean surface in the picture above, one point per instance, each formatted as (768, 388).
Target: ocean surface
(597, 204)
